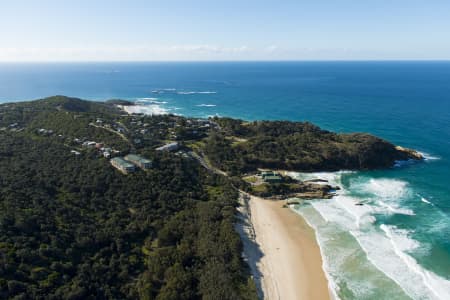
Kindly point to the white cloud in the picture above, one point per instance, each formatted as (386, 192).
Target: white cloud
(179, 52)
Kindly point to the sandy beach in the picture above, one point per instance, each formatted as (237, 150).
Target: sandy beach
(282, 251)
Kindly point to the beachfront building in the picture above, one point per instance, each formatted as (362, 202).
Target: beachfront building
(169, 147)
(271, 177)
(139, 161)
(266, 173)
(122, 165)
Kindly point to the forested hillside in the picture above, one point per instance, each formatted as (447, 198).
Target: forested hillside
(73, 227)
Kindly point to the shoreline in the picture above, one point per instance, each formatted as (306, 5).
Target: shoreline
(281, 250)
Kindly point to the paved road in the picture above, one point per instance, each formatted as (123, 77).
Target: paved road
(207, 166)
(113, 131)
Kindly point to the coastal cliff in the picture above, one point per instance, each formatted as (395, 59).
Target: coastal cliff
(241, 147)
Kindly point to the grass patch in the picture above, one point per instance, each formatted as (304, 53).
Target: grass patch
(262, 188)
(251, 179)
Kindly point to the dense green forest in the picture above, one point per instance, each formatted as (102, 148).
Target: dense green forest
(241, 147)
(73, 227)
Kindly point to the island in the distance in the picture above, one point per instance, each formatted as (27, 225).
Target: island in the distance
(82, 218)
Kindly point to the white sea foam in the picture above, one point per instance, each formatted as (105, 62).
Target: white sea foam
(395, 210)
(150, 101)
(360, 213)
(206, 105)
(158, 91)
(425, 200)
(428, 156)
(440, 287)
(381, 252)
(386, 188)
(386, 195)
(147, 98)
(388, 248)
(145, 109)
(195, 92)
(344, 262)
(400, 237)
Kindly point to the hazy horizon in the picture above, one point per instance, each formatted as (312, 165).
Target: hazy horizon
(142, 31)
(223, 61)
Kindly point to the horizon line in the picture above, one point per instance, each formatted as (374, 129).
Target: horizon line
(218, 61)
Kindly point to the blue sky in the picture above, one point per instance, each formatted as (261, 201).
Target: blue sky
(95, 30)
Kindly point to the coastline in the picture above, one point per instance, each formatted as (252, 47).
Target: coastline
(425, 192)
(282, 251)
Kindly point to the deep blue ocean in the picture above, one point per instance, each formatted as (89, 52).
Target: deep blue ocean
(397, 245)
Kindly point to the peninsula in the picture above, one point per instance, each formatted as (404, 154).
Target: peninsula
(98, 202)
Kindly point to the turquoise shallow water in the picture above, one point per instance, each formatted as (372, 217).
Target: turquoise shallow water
(397, 245)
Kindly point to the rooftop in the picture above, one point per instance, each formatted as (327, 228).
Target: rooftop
(122, 162)
(137, 158)
(273, 178)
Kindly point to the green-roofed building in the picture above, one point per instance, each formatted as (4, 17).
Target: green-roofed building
(139, 161)
(122, 165)
(273, 178)
(267, 173)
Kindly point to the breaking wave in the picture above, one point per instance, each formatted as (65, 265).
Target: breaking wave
(356, 213)
(195, 92)
(150, 101)
(206, 105)
(424, 200)
(146, 109)
(428, 156)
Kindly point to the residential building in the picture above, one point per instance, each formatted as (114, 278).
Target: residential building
(122, 165)
(139, 161)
